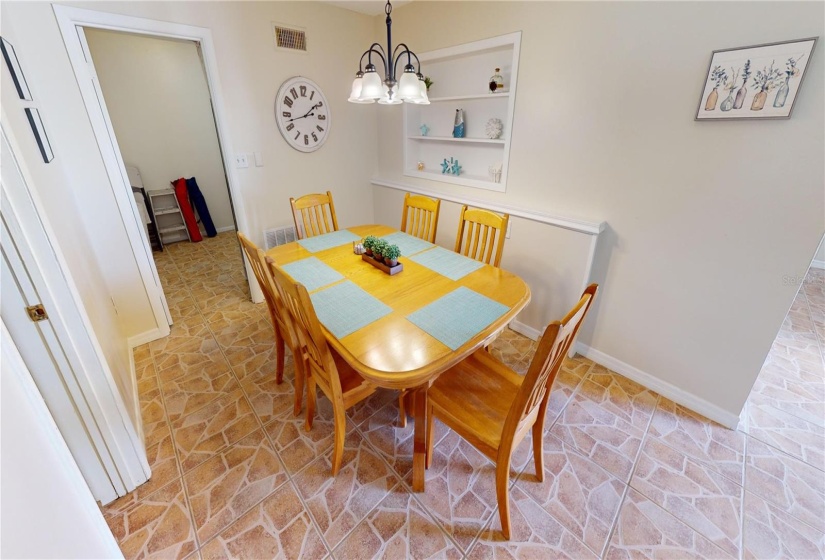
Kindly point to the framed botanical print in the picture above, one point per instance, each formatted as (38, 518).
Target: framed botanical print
(758, 82)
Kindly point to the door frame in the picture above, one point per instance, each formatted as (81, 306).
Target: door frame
(71, 21)
(89, 380)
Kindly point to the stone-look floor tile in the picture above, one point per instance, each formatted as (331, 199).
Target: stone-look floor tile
(158, 527)
(644, 530)
(241, 313)
(791, 434)
(296, 445)
(696, 495)
(699, 438)
(372, 404)
(576, 492)
(249, 346)
(795, 487)
(627, 399)
(398, 527)
(339, 503)
(185, 310)
(141, 353)
(229, 484)
(809, 411)
(153, 414)
(279, 527)
(564, 386)
(599, 434)
(269, 399)
(188, 393)
(772, 533)
(460, 489)
(190, 355)
(200, 435)
(533, 534)
(147, 383)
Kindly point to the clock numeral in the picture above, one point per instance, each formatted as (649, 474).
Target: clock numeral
(320, 129)
(290, 126)
(320, 104)
(303, 91)
(294, 93)
(306, 140)
(297, 134)
(311, 95)
(322, 117)
(286, 114)
(315, 138)
(288, 102)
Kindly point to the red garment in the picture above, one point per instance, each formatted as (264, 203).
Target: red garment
(186, 208)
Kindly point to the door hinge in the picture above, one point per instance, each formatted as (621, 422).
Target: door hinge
(37, 312)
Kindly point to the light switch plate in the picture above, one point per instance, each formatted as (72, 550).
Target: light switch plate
(241, 160)
(259, 160)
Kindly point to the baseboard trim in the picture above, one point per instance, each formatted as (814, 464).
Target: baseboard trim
(148, 336)
(136, 397)
(225, 229)
(674, 393)
(817, 264)
(526, 330)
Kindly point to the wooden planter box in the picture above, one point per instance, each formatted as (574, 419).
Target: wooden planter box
(382, 266)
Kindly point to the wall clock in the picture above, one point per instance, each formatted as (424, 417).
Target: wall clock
(302, 114)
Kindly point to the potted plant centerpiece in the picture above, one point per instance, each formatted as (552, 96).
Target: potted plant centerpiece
(378, 249)
(369, 243)
(391, 254)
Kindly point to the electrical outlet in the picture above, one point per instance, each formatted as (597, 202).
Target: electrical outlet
(509, 225)
(241, 160)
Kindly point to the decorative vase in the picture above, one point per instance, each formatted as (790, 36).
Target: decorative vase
(496, 81)
(740, 97)
(727, 104)
(759, 101)
(782, 94)
(713, 97)
(458, 124)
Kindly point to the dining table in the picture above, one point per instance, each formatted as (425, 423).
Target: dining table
(401, 331)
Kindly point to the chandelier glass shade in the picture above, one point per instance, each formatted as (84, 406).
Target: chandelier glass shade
(368, 87)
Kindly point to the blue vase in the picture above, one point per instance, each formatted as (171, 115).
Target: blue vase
(458, 125)
(727, 104)
(782, 94)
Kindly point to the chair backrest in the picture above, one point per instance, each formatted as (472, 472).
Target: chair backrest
(420, 217)
(257, 261)
(481, 235)
(307, 330)
(314, 214)
(552, 348)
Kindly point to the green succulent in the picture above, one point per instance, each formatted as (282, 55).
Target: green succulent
(391, 252)
(379, 247)
(369, 242)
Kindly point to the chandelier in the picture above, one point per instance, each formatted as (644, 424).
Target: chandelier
(368, 86)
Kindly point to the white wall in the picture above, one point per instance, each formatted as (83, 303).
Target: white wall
(158, 99)
(705, 218)
(47, 509)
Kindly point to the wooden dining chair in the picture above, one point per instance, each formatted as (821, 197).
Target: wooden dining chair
(420, 216)
(493, 407)
(325, 368)
(277, 314)
(313, 214)
(481, 235)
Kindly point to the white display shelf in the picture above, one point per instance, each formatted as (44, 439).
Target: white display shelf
(460, 140)
(460, 75)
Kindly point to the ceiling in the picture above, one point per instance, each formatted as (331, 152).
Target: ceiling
(369, 7)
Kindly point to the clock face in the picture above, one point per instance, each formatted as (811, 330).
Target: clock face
(302, 114)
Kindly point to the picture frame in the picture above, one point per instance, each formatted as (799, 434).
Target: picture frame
(40, 134)
(755, 82)
(15, 70)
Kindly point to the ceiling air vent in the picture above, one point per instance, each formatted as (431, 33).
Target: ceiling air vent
(289, 38)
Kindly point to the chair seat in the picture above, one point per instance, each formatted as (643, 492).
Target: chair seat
(474, 397)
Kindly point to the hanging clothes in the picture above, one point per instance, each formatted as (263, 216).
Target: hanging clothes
(199, 202)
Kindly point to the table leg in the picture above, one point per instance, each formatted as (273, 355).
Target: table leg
(420, 438)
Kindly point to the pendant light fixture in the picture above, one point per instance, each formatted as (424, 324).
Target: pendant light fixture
(368, 87)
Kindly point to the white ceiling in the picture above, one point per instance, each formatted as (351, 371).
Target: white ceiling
(369, 7)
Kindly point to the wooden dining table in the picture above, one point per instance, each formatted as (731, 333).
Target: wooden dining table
(393, 352)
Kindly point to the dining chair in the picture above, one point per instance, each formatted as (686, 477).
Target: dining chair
(493, 407)
(420, 216)
(325, 368)
(481, 235)
(312, 214)
(277, 314)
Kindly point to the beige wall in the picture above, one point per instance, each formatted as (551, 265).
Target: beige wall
(158, 100)
(705, 218)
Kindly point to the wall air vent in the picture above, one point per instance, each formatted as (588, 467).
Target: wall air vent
(279, 236)
(289, 38)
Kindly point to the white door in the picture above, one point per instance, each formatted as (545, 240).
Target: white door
(45, 358)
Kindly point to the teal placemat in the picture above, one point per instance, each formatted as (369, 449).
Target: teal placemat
(345, 308)
(458, 316)
(328, 240)
(312, 273)
(447, 263)
(408, 244)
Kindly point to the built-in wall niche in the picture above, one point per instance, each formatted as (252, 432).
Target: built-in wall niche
(461, 77)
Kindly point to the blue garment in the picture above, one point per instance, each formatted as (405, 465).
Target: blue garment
(199, 202)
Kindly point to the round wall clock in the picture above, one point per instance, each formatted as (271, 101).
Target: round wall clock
(302, 114)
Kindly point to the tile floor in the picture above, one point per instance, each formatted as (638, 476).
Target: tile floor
(628, 473)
